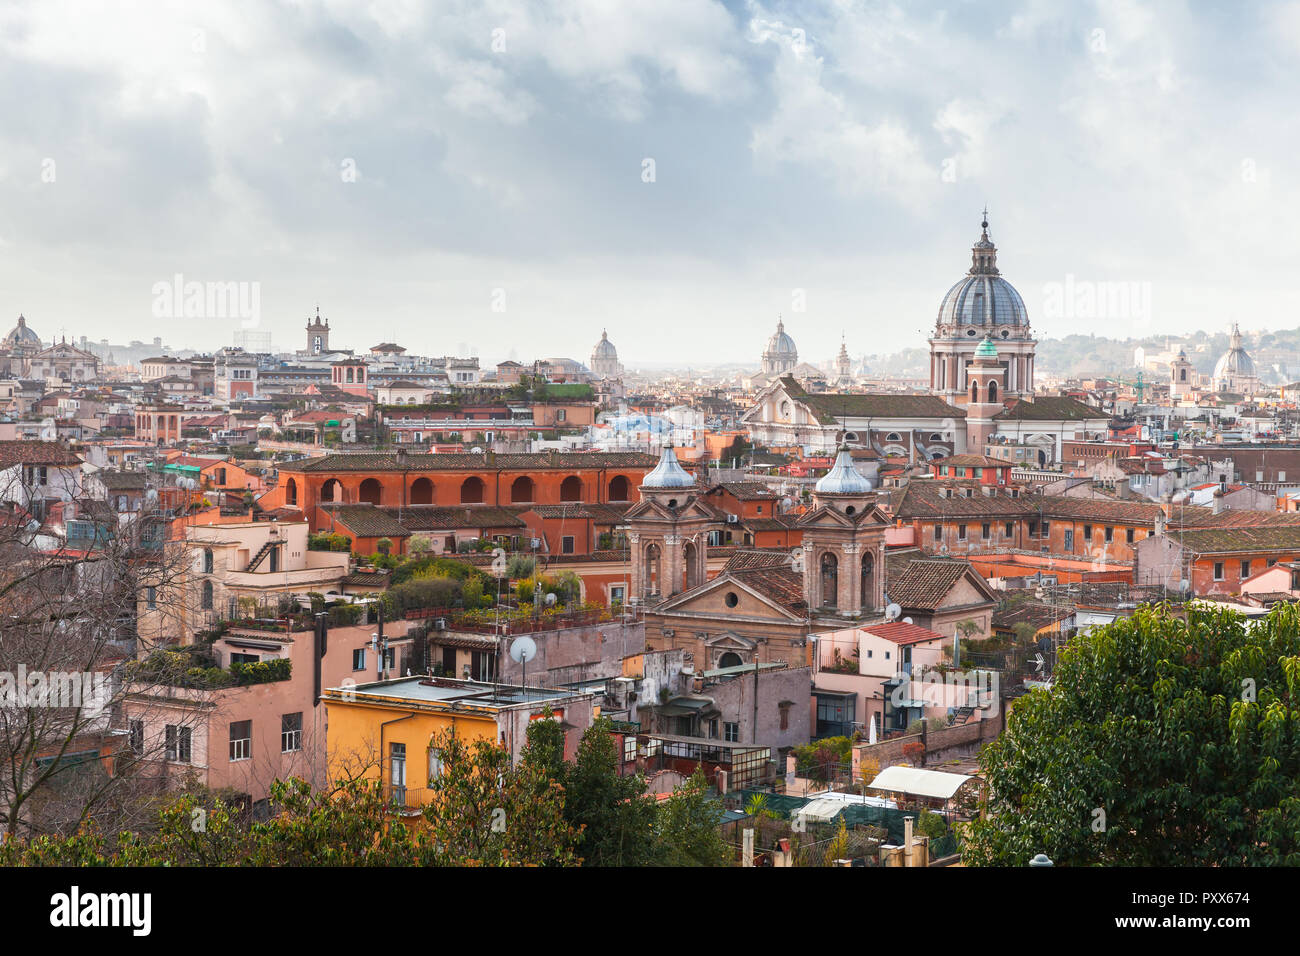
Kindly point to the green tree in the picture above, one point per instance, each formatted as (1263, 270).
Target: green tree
(687, 827)
(615, 814)
(484, 810)
(1162, 741)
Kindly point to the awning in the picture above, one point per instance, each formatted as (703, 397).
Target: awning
(918, 782)
(821, 811)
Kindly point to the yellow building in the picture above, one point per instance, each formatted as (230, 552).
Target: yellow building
(382, 730)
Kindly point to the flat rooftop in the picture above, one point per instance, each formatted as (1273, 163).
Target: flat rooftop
(447, 690)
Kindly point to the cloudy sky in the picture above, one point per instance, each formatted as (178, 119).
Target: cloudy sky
(512, 176)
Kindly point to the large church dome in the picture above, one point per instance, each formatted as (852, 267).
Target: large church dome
(780, 354)
(20, 334)
(983, 297)
(1235, 363)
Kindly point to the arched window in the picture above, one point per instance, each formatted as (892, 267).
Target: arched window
(471, 491)
(974, 392)
(332, 490)
(867, 600)
(522, 490)
(730, 659)
(370, 492)
(650, 573)
(893, 436)
(207, 596)
(207, 561)
(690, 573)
(571, 489)
(291, 492)
(422, 491)
(993, 392)
(618, 488)
(830, 580)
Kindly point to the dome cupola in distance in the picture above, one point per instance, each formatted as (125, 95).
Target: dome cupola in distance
(843, 478)
(981, 305)
(780, 356)
(604, 358)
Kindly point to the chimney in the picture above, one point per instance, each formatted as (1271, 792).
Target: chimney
(907, 840)
(1219, 506)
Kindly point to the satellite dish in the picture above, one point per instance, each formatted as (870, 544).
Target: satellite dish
(892, 612)
(1184, 585)
(523, 650)
(550, 600)
(907, 620)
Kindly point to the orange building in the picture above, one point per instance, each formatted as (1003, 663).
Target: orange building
(403, 480)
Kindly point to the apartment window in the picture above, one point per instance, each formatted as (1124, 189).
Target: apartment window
(1087, 532)
(241, 739)
(291, 733)
(785, 716)
(1045, 529)
(151, 598)
(397, 771)
(1128, 535)
(566, 544)
(938, 532)
(359, 659)
(178, 741)
(1259, 474)
(207, 561)
(731, 732)
(961, 532)
(1110, 535)
(207, 596)
(561, 414)
(616, 593)
(1218, 570)
(435, 764)
(1245, 569)
(244, 658)
(137, 737)
(1281, 476)
(1033, 528)
(713, 729)
(1010, 529)
(984, 530)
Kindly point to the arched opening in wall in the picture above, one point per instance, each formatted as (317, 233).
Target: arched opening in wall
(332, 490)
(471, 491)
(291, 492)
(730, 659)
(867, 598)
(571, 489)
(974, 392)
(1182, 374)
(830, 580)
(207, 596)
(651, 566)
(422, 491)
(618, 488)
(521, 490)
(690, 573)
(371, 491)
(993, 392)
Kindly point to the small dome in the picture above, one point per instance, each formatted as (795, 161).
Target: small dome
(986, 349)
(843, 478)
(21, 334)
(1236, 362)
(668, 473)
(780, 343)
(604, 348)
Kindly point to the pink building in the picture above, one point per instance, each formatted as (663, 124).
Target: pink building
(243, 738)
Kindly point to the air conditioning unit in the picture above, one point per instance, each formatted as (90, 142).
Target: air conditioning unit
(733, 519)
(668, 632)
(440, 624)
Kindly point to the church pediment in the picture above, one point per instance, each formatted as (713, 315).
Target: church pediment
(713, 599)
(730, 641)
